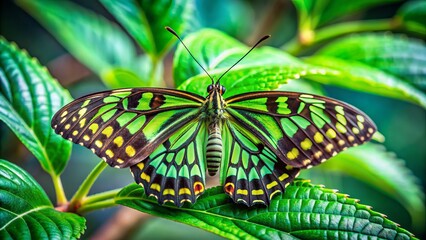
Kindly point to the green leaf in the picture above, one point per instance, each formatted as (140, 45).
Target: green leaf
(124, 77)
(218, 51)
(304, 211)
(26, 212)
(145, 21)
(92, 39)
(383, 171)
(378, 50)
(321, 12)
(412, 15)
(358, 76)
(256, 78)
(29, 97)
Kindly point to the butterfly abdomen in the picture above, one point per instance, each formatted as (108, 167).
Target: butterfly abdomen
(214, 149)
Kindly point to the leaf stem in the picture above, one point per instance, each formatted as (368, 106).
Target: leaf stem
(295, 46)
(95, 206)
(84, 188)
(100, 196)
(61, 198)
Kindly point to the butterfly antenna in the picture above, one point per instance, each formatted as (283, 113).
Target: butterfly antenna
(176, 35)
(255, 45)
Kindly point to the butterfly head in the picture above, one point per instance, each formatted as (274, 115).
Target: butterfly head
(216, 87)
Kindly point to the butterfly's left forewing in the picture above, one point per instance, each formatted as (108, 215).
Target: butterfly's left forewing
(302, 130)
(125, 126)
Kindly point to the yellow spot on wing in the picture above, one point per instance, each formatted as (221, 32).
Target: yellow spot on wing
(64, 114)
(340, 128)
(370, 130)
(94, 127)
(306, 144)
(184, 191)
(318, 137)
(293, 154)
(140, 165)
(351, 138)
(306, 162)
(331, 133)
(169, 191)
(341, 119)
(360, 125)
(82, 111)
(360, 118)
(118, 141)
(98, 143)
(67, 126)
(155, 186)
(74, 119)
(86, 138)
(145, 177)
(283, 177)
(341, 142)
(242, 191)
(82, 122)
(257, 192)
(318, 154)
(355, 130)
(130, 151)
(119, 161)
(109, 153)
(271, 185)
(108, 131)
(329, 147)
(74, 133)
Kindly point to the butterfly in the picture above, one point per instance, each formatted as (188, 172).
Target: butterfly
(170, 139)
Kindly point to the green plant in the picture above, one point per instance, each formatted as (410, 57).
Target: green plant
(365, 62)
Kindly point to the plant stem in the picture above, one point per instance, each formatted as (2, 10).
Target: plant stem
(61, 198)
(295, 46)
(95, 206)
(84, 188)
(100, 197)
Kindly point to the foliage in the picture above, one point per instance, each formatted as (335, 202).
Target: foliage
(364, 61)
(26, 211)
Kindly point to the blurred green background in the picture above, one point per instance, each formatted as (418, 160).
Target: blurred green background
(403, 124)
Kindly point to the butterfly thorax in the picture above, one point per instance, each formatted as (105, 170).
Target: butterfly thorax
(214, 110)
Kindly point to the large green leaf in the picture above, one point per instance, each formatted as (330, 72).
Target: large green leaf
(26, 212)
(361, 77)
(320, 12)
(29, 97)
(95, 41)
(304, 211)
(383, 171)
(257, 78)
(394, 54)
(412, 16)
(145, 21)
(218, 51)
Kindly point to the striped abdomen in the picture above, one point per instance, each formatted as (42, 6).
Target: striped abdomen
(214, 149)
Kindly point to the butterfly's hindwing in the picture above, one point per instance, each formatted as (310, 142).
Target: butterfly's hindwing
(175, 171)
(124, 126)
(251, 173)
(303, 130)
